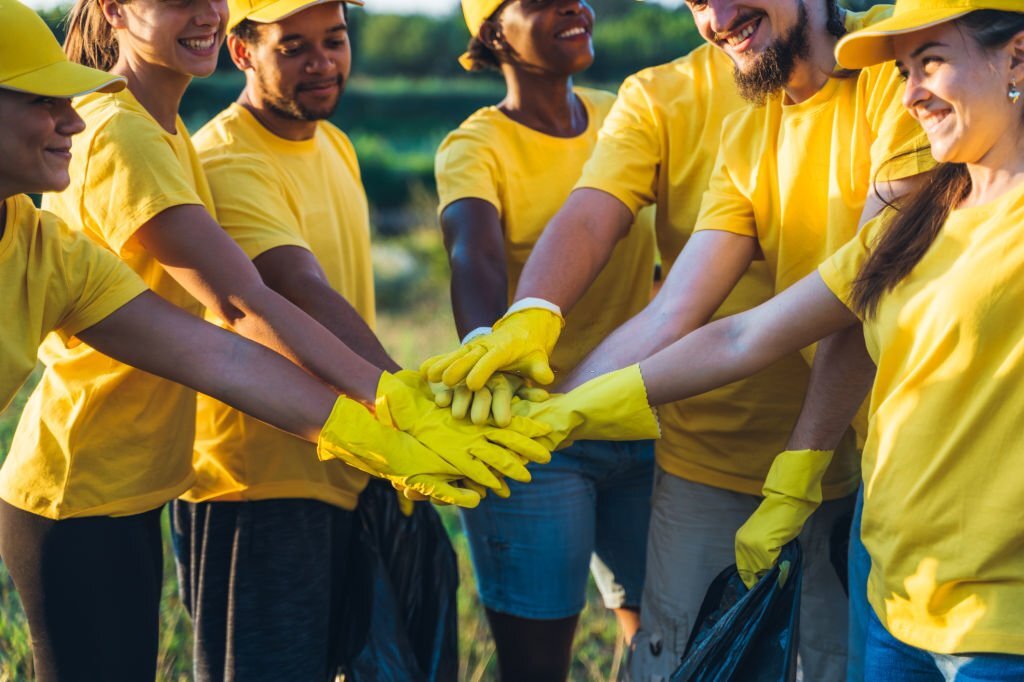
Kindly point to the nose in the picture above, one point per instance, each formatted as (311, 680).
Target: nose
(212, 13)
(320, 61)
(914, 93)
(68, 121)
(571, 7)
(721, 15)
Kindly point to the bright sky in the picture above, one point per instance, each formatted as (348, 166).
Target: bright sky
(426, 6)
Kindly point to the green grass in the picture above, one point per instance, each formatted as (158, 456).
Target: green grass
(414, 322)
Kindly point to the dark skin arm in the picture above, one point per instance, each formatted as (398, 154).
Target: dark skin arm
(155, 336)
(193, 248)
(476, 252)
(295, 273)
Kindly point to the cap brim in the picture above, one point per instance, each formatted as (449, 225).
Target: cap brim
(65, 79)
(282, 9)
(873, 45)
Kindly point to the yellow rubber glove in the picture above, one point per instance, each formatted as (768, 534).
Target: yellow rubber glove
(520, 342)
(353, 435)
(492, 404)
(792, 491)
(611, 407)
(405, 400)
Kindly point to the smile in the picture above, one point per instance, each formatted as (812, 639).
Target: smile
(199, 44)
(933, 119)
(735, 38)
(573, 32)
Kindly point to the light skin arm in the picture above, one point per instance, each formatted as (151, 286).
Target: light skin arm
(584, 233)
(476, 252)
(295, 273)
(160, 338)
(736, 347)
(193, 248)
(700, 280)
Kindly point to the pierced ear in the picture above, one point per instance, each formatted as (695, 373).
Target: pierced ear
(1016, 48)
(238, 50)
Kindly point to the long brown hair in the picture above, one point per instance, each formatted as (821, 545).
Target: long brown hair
(90, 38)
(920, 216)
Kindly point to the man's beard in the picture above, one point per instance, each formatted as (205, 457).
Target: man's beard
(291, 108)
(771, 71)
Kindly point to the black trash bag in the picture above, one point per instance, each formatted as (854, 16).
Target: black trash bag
(411, 576)
(747, 635)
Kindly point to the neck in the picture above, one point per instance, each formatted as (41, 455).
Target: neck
(812, 73)
(159, 90)
(282, 126)
(544, 102)
(998, 172)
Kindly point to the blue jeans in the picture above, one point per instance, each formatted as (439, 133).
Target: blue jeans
(589, 507)
(886, 659)
(858, 568)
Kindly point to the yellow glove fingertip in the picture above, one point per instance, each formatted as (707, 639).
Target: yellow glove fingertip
(482, 402)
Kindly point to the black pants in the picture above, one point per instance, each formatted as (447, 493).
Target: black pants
(266, 584)
(91, 590)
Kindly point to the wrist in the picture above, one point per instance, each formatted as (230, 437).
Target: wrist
(533, 302)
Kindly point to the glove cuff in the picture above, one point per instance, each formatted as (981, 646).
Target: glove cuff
(798, 474)
(527, 303)
(479, 331)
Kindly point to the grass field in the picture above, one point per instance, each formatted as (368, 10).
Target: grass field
(414, 322)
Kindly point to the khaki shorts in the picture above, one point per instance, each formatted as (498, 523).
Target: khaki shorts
(691, 541)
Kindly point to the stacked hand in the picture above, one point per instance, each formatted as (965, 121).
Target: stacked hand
(792, 491)
(520, 343)
(492, 403)
(423, 449)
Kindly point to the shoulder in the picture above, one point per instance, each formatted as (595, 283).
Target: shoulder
(220, 134)
(477, 134)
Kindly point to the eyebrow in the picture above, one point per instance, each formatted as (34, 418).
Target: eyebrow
(299, 36)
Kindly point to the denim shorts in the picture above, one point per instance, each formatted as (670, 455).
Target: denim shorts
(588, 507)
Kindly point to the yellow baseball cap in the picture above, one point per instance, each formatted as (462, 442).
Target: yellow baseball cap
(476, 12)
(31, 59)
(873, 45)
(269, 11)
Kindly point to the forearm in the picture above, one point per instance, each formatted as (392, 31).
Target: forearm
(479, 291)
(841, 377)
(584, 234)
(271, 320)
(159, 338)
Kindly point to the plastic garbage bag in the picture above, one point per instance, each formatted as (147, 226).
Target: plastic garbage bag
(747, 635)
(407, 631)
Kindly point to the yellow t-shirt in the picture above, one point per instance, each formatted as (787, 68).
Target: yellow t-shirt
(658, 146)
(54, 280)
(272, 192)
(944, 458)
(527, 176)
(99, 438)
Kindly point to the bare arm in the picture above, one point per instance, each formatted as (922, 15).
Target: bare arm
(193, 248)
(295, 273)
(700, 280)
(155, 336)
(584, 232)
(736, 347)
(476, 252)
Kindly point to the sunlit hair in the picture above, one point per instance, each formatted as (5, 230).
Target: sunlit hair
(90, 38)
(920, 216)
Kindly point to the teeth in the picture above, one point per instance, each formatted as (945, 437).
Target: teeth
(738, 38)
(198, 43)
(572, 32)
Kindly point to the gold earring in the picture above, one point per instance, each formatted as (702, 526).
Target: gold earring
(1014, 93)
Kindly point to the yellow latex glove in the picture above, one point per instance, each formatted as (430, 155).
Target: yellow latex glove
(353, 435)
(520, 342)
(611, 407)
(492, 404)
(792, 491)
(406, 401)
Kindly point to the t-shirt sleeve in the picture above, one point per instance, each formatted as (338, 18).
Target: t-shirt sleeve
(627, 158)
(251, 207)
(841, 270)
(97, 282)
(466, 167)
(724, 206)
(132, 175)
(900, 148)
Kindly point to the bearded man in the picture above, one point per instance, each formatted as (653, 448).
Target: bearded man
(758, 176)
